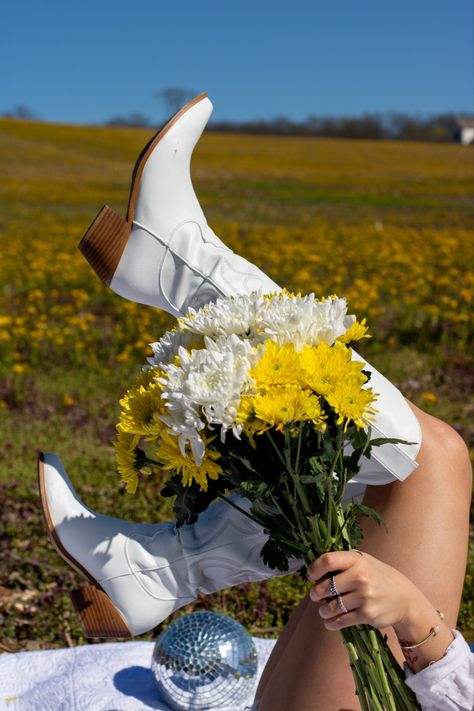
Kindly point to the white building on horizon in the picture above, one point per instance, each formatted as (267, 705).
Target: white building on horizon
(463, 132)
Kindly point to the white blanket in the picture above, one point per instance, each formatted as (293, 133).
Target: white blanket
(97, 677)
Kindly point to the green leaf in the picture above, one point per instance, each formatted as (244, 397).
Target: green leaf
(388, 440)
(364, 510)
(359, 437)
(273, 556)
(189, 501)
(355, 533)
(316, 465)
(328, 447)
(261, 508)
(308, 478)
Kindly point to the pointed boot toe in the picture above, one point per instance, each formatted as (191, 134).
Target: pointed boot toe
(66, 518)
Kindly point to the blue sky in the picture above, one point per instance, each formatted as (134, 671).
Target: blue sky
(87, 60)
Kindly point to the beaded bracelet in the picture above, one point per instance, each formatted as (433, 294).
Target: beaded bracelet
(432, 633)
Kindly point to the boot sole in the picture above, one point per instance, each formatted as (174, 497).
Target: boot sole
(107, 236)
(99, 616)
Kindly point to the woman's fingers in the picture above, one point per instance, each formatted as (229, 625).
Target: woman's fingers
(358, 612)
(336, 606)
(342, 621)
(345, 582)
(334, 560)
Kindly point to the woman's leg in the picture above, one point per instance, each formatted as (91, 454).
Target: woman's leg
(427, 518)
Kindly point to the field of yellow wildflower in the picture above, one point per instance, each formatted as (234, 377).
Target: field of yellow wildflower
(388, 225)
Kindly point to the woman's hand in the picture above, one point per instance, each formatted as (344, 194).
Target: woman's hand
(376, 594)
(372, 592)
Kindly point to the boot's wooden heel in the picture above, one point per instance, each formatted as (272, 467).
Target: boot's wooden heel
(99, 616)
(104, 242)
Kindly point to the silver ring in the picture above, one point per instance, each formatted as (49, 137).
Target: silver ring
(342, 607)
(333, 591)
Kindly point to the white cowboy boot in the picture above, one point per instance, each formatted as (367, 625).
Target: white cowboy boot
(140, 573)
(165, 254)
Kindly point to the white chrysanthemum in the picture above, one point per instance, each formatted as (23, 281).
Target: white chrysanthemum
(226, 316)
(167, 347)
(184, 418)
(206, 387)
(302, 320)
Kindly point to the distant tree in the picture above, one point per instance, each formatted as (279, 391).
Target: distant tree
(134, 119)
(21, 112)
(174, 97)
(388, 126)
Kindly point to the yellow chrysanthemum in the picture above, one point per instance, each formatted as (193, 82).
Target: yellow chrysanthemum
(352, 403)
(147, 377)
(281, 406)
(126, 459)
(355, 332)
(246, 410)
(246, 417)
(141, 409)
(279, 366)
(170, 457)
(325, 366)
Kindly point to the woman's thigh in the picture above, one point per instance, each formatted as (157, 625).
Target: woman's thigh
(427, 517)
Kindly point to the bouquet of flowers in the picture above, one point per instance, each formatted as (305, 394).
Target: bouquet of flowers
(263, 396)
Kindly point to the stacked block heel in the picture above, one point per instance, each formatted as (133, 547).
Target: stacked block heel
(99, 616)
(104, 243)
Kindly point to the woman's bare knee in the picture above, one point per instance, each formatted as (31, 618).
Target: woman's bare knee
(441, 443)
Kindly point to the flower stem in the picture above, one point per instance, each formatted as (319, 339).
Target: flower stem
(280, 457)
(238, 508)
(298, 448)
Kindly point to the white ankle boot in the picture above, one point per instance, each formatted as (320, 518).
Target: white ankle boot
(165, 254)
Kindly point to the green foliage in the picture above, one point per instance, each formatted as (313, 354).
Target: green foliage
(189, 501)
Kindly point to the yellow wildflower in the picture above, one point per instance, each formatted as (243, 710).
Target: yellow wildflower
(68, 400)
(170, 457)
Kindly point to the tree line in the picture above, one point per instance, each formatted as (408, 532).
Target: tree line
(388, 126)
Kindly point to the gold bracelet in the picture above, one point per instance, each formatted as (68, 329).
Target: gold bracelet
(432, 633)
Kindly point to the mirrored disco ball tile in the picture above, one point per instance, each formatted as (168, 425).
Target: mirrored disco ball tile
(205, 660)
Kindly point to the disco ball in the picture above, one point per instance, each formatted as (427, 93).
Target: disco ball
(205, 660)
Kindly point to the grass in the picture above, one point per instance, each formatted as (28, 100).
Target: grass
(389, 225)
